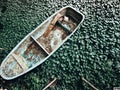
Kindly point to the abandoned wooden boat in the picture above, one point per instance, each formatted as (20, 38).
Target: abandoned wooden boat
(41, 43)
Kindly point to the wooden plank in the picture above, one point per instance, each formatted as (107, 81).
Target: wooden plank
(17, 61)
(50, 27)
(22, 63)
(1, 48)
(39, 45)
(89, 83)
(49, 84)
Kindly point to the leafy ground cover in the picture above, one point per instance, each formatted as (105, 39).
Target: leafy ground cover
(92, 52)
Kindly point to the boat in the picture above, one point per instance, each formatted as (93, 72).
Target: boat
(41, 43)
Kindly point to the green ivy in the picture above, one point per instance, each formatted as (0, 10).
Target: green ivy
(92, 52)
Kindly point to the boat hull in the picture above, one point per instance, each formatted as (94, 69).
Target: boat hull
(38, 45)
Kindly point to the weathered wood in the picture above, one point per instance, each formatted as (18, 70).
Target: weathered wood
(1, 48)
(49, 84)
(40, 45)
(52, 24)
(89, 84)
(55, 38)
(22, 65)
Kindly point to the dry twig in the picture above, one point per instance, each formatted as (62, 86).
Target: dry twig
(89, 83)
(1, 48)
(49, 84)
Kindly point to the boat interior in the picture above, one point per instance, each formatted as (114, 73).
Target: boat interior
(41, 42)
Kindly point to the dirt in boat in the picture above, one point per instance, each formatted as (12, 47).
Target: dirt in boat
(11, 67)
(57, 34)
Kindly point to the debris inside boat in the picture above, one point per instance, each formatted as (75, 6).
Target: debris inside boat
(51, 40)
(41, 43)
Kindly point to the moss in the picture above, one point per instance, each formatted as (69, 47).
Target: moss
(93, 51)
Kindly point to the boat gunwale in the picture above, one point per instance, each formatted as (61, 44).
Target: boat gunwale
(29, 34)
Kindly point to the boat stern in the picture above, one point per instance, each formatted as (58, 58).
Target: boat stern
(10, 68)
